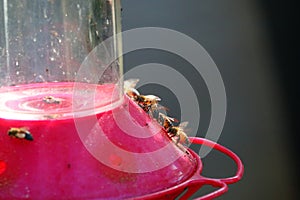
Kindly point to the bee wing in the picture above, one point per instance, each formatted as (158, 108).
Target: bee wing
(25, 129)
(153, 97)
(160, 107)
(131, 91)
(130, 83)
(183, 125)
(170, 118)
(173, 119)
(162, 115)
(129, 87)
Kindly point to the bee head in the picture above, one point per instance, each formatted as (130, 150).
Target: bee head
(13, 131)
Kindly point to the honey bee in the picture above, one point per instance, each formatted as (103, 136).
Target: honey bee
(174, 131)
(21, 133)
(51, 116)
(166, 121)
(51, 100)
(149, 103)
(178, 132)
(129, 88)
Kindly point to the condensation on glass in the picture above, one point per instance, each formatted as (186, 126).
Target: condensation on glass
(54, 44)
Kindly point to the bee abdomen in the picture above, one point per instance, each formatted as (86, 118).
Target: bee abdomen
(28, 136)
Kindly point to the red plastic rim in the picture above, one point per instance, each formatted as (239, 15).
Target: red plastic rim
(196, 181)
(229, 153)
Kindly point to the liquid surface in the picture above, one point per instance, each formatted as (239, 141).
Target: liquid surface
(56, 100)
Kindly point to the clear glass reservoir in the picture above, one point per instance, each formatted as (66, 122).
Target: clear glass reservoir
(56, 73)
(53, 59)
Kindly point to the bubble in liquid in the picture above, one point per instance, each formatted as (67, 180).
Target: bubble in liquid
(45, 14)
(115, 160)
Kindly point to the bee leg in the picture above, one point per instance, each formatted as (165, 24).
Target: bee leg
(153, 113)
(178, 140)
(143, 107)
(188, 142)
(147, 109)
(170, 134)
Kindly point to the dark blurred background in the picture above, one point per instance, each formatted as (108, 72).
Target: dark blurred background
(255, 46)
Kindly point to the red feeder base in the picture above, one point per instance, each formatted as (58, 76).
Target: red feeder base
(117, 153)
